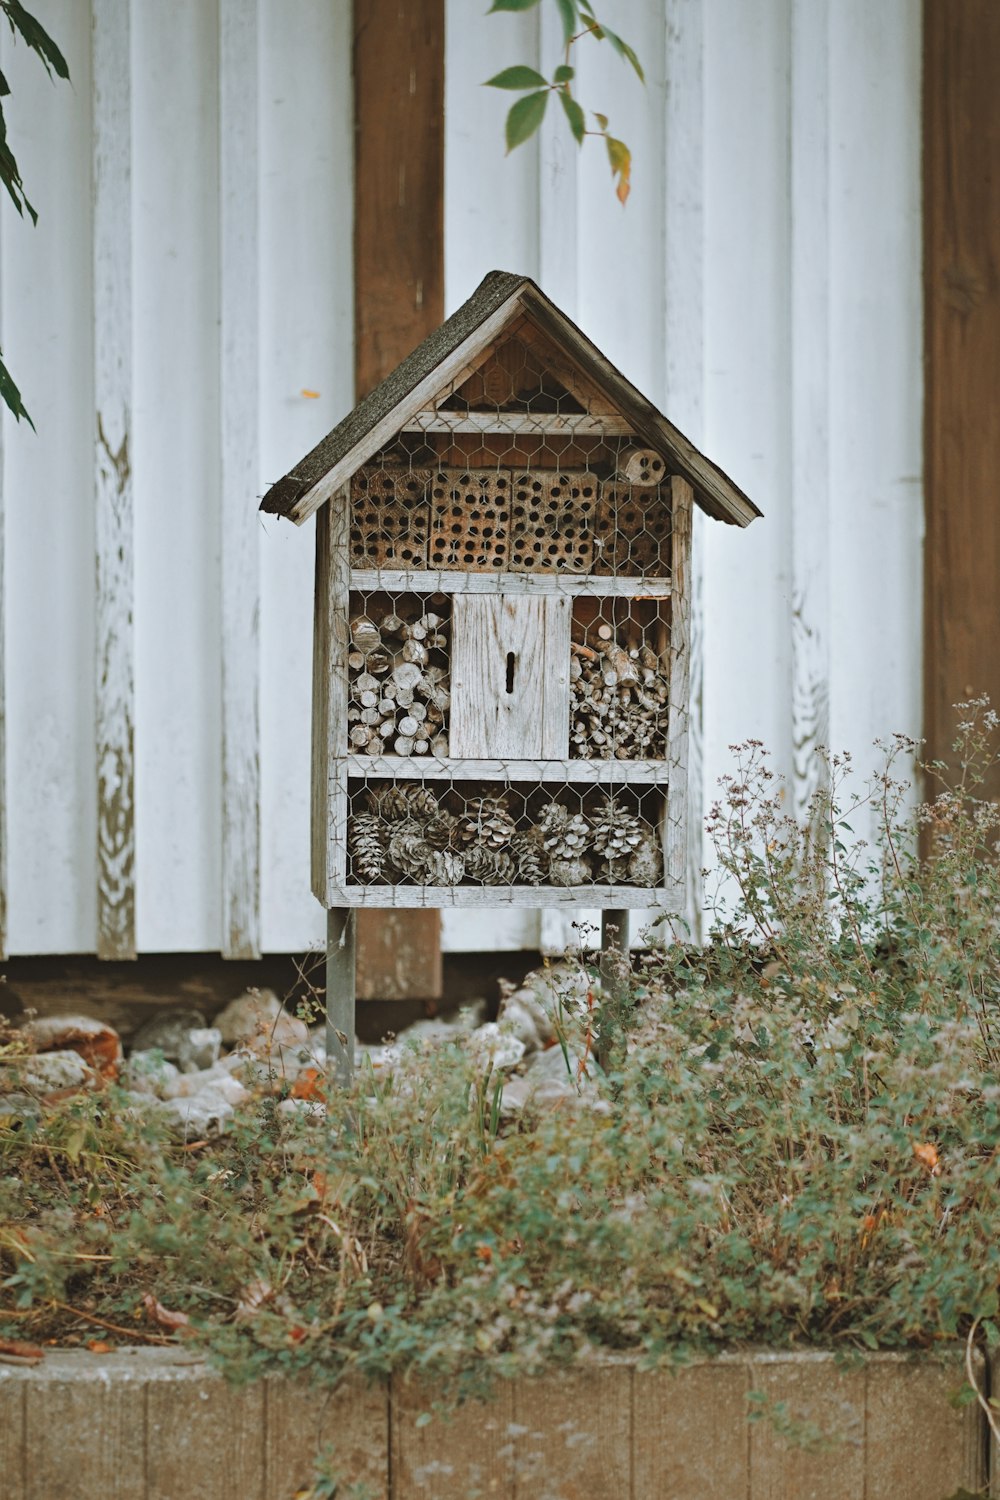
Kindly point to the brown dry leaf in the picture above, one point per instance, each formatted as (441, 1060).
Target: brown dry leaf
(20, 1349)
(163, 1315)
(98, 1346)
(309, 1085)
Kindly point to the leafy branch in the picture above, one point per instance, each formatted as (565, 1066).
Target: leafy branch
(525, 117)
(34, 35)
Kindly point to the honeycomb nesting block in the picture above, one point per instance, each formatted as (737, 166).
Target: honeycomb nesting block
(470, 520)
(552, 522)
(390, 518)
(632, 531)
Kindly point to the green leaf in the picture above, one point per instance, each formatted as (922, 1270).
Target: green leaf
(36, 37)
(525, 117)
(12, 396)
(518, 77)
(602, 120)
(567, 10)
(575, 116)
(512, 5)
(563, 74)
(625, 51)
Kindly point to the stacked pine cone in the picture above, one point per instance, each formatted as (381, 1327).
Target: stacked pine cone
(398, 682)
(406, 833)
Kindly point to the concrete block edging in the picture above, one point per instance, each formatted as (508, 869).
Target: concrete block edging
(151, 1424)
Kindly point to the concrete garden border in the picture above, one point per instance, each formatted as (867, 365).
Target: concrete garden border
(145, 1424)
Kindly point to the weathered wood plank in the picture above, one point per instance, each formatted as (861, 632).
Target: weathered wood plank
(573, 586)
(3, 713)
(114, 719)
(399, 50)
(586, 425)
(676, 831)
(432, 897)
(238, 507)
(810, 396)
(432, 768)
(961, 141)
(330, 691)
(684, 350)
(510, 677)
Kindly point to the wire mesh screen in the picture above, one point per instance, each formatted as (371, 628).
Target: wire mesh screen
(518, 484)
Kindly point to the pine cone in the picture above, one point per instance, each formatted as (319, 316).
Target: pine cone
(530, 858)
(409, 852)
(444, 868)
(490, 866)
(440, 830)
(405, 800)
(487, 822)
(366, 846)
(615, 833)
(573, 871)
(564, 834)
(645, 868)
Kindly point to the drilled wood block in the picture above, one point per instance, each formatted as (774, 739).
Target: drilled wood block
(390, 515)
(470, 520)
(466, 1453)
(552, 522)
(632, 530)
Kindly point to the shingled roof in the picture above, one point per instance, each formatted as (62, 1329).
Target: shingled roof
(498, 300)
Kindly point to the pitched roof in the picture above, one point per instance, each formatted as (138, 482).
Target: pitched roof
(499, 298)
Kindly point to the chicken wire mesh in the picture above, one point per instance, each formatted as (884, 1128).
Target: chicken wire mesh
(518, 481)
(503, 834)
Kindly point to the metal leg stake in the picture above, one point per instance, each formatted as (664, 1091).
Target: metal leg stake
(614, 968)
(340, 991)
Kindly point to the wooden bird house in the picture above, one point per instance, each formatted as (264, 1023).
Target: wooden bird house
(502, 624)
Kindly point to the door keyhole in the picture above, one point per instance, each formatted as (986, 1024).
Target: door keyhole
(510, 671)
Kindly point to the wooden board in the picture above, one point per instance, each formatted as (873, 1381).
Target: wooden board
(115, 705)
(961, 130)
(394, 581)
(398, 300)
(510, 677)
(240, 528)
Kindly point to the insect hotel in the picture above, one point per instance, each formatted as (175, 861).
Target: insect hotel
(502, 630)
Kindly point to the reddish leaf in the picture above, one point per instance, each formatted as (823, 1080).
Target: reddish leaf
(163, 1315)
(18, 1349)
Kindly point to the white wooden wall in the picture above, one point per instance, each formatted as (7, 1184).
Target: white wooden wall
(191, 277)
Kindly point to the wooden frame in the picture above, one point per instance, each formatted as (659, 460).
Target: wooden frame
(335, 768)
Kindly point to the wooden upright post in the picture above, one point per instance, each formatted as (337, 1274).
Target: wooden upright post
(961, 130)
(398, 300)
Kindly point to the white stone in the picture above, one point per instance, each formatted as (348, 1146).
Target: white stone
(149, 1072)
(491, 1047)
(202, 1114)
(46, 1073)
(258, 1018)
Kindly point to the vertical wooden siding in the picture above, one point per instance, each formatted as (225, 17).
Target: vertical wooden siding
(962, 347)
(238, 46)
(705, 288)
(114, 519)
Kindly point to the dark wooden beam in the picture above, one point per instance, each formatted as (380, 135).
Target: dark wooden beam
(961, 153)
(398, 300)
